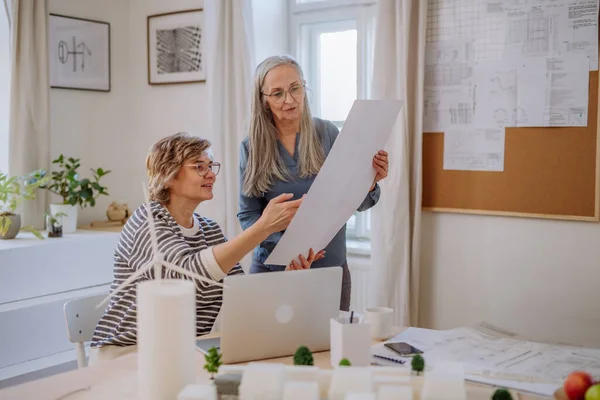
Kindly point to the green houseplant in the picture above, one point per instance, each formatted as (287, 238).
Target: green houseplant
(213, 361)
(418, 364)
(303, 356)
(54, 224)
(344, 362)
(74, 190)
(13, 191)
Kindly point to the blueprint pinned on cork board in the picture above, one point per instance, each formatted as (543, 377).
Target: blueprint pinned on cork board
(493, 64)
(342, 183)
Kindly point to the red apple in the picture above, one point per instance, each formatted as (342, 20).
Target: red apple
(576, 384)
(593, 393)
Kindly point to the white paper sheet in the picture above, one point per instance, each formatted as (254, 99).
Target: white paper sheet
(496, 95)
(581, 33)
(474, 150)
(476, 49)
(497, 360)
(534, 30)
(343, 182)
(499, 357)
(447, 108)
(561, 84)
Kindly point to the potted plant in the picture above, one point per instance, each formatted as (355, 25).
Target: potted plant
(13, 191)
(54, 224)
(74, 190)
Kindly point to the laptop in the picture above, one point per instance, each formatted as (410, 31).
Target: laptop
(269, 315)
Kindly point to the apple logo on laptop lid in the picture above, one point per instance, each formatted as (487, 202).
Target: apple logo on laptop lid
(284, 313)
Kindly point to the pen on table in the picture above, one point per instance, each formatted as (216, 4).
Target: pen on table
(351, 316)
(389, 359)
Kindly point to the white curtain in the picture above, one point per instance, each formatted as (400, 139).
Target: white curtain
(398, 72)
(229, 79)
(29, 130)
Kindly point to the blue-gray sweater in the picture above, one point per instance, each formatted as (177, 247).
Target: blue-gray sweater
(251, 208)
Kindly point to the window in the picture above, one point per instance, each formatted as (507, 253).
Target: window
(4, 89)
(333, 41)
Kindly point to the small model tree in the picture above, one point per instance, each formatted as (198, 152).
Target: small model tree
(213, 361)
(345, 362)
(501, 394)
(418, 364)
(303, 356)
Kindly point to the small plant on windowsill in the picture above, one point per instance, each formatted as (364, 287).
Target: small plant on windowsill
(74, 190)
(13, 191)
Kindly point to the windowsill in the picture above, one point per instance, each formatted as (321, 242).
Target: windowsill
(361, 248)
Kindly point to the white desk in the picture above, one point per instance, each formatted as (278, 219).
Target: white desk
(36, 278)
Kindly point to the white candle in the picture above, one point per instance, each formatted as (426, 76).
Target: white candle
(166, 323)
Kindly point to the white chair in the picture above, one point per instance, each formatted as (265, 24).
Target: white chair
(82, 316)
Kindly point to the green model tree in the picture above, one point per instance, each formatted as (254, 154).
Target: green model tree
(213, 361)
(303, 356)
(501, 394)
(345, 362)
(418, 364)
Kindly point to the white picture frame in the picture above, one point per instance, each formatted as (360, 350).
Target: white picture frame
(78, 53)
(175, 47)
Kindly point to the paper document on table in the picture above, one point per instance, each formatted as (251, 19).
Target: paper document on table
(342, 183)
(500, 357)
(474, 149)
(561, 85)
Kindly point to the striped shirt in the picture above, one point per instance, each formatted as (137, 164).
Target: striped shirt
(187, 248)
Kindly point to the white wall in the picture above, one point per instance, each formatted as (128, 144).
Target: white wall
(538, 277)
(115, 130)
(4, 89)
(94, 126)
(161, 110)
(270, 28)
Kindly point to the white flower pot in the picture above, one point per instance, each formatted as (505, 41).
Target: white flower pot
(70, 220)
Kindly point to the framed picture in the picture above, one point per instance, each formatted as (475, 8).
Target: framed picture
(79, 53)
(175, 47)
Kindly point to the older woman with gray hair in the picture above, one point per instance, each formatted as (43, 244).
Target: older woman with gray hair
(182, 174)
(283, 153)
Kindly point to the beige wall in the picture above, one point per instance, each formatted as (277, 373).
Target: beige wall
(538, 277)
(4, 89)
(94, 126)
(115, 130)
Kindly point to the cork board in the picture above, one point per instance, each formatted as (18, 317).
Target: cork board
(548, 173)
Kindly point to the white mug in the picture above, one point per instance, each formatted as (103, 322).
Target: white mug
(380, 319)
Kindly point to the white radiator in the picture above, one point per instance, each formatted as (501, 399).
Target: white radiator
(359, 271)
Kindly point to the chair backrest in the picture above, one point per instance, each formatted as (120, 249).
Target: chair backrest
(82, 316)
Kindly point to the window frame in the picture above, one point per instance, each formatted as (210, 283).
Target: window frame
(332, 16)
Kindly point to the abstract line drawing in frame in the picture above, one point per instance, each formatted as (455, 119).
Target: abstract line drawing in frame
(175, 47)
(78, 53)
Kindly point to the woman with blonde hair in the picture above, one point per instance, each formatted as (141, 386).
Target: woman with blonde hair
(182, 174)
(283, 153)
